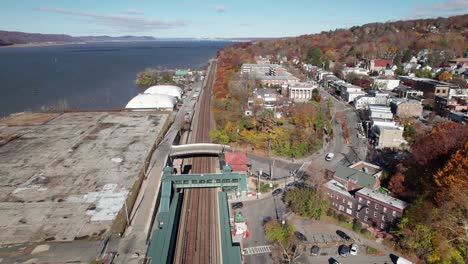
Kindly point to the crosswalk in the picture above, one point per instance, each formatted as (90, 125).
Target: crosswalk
(256, 250)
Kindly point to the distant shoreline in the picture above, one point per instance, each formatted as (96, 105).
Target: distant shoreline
(42, 44)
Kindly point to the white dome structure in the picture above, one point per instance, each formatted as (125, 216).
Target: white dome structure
(171, 90)
(152, 101)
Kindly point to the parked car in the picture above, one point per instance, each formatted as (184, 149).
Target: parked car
(237, 205)
(333, 261)
(276, 192)
(300, 236)
(343, 235)
(343, 250)
(329, 156)
(314, 250)
(354, 249)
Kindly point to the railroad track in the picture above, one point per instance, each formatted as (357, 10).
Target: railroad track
(197, 240)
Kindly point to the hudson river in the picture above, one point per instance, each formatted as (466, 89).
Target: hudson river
(89, 76)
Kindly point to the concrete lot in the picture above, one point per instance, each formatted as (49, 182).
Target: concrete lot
(66, 176)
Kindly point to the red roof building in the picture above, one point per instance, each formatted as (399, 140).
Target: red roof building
(237, 160)
(377, 65)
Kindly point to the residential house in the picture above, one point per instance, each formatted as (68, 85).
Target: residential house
(403, 107)
(378, 65)
(458, 63)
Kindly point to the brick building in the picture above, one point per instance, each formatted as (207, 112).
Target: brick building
(354, 191)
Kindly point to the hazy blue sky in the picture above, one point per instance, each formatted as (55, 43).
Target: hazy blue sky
(201, 18)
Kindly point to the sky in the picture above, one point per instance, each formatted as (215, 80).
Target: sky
(211, 19)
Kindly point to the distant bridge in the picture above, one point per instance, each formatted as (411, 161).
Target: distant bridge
(198, 149)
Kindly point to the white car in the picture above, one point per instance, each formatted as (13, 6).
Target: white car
(354, 249)
(329, 156)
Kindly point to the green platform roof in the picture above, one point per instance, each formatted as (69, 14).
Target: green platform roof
(231, 253)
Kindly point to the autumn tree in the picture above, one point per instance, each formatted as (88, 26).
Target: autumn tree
(283, 235)
(306, 202)
(444, 76)
(396, 184)
(147, 78)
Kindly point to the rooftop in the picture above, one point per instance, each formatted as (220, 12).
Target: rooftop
(356, 176)
(386, 199)
(65, 176)
(337, 187)
(237, 160)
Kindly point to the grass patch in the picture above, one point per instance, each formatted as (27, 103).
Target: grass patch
(265, 187)
(373, 251)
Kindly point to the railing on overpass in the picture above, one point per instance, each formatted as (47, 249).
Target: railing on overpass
(188, 150)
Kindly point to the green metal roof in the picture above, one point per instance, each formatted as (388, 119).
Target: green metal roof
(180, 72)
(358, 177)
(163, 240)
(231, 253)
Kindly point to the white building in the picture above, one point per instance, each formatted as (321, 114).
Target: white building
(380, 112)
(388, 136)
(355, 70)
(300, 91)
(171, 90)
(386, 83)
(373, 98)
(349, 91)
(146, 101)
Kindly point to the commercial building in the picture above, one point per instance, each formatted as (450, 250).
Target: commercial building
(378, 210)
(387, 84)
(430, 88)
(445, 105)
(354, 70)
(387, 136)
(372, 98)
(355, 191)
(299, 92)
(348, 91)
(380, 112)
(403, 107)
(267, 74)
(264, 98)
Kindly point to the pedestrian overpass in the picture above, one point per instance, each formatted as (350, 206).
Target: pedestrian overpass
(198, 149)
